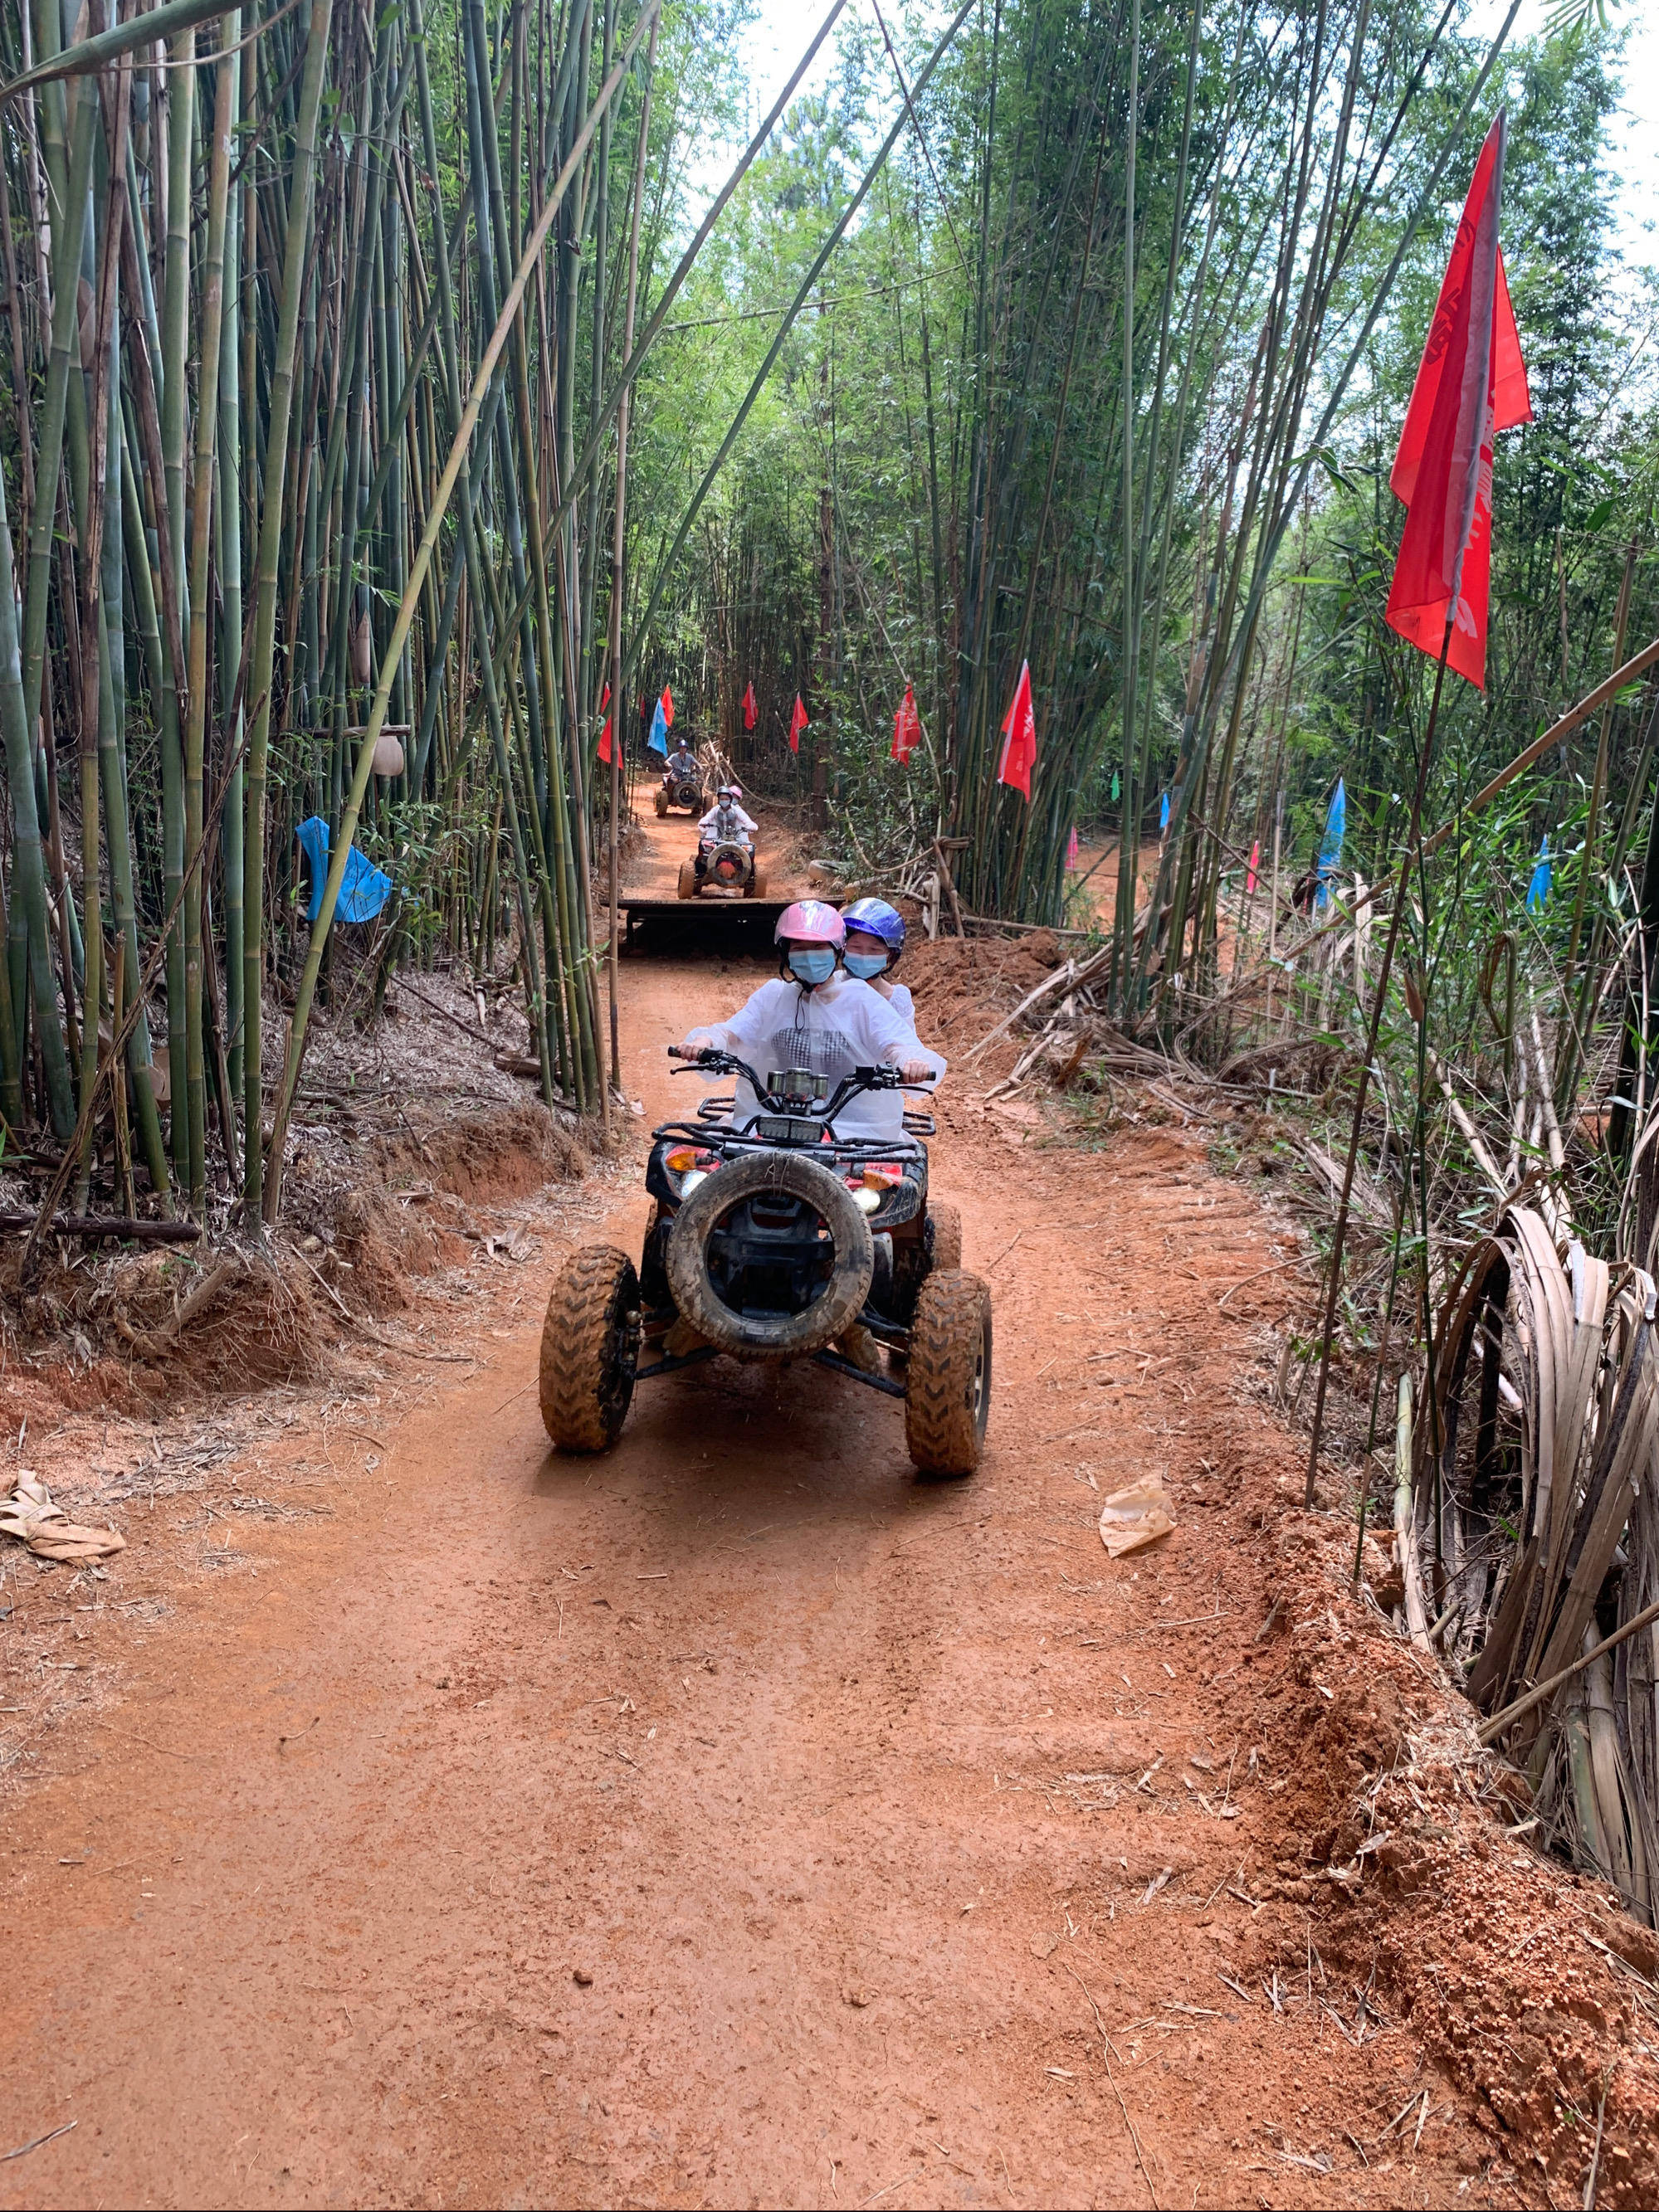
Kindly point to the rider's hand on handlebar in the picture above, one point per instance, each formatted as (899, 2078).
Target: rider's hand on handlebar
(916, 1071)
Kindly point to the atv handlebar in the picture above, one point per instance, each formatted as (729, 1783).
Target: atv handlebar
(712, 1062)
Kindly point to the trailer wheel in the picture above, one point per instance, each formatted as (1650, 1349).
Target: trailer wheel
(662, 802)
(590, 1349)
(687, 885)
(947, 1390)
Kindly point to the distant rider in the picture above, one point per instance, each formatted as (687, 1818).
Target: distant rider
(815, 1018)
(726, 823)
(681, 765)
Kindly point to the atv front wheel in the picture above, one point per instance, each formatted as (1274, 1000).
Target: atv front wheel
(687, 885)
(662, 802)
(590, 1349)
(947, 1389)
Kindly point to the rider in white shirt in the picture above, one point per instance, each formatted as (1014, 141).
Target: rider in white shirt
(875, 939)
(726, 822)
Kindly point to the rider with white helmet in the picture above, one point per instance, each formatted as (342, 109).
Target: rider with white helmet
(727, 823)
(815, 1016)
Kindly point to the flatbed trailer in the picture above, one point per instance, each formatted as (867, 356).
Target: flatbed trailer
(707, 921)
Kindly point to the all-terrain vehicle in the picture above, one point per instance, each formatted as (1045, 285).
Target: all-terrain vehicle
(726, 866)
(679, 791)
(778, 1240)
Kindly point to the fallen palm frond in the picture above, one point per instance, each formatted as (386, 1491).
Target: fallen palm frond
(1534, 1532)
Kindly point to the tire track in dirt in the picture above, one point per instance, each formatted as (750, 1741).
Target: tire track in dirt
(735, 1818)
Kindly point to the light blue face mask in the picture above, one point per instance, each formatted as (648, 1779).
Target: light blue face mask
(817, 964)
(864, 965)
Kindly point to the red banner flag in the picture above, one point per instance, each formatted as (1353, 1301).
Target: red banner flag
(1249, 873)
(604, 734)
(1071, 848)
(906, 728)
(668, 707)
(1471, 384)
(798, 722)
(1019, 738)
(749, 708)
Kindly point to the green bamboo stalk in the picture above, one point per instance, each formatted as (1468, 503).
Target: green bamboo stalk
(229, 567)
(198, 687)
(262, 658)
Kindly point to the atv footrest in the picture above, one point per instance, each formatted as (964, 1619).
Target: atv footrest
(669, 1365)
(884, 1383)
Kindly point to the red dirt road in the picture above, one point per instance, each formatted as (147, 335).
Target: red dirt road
(734, 1820)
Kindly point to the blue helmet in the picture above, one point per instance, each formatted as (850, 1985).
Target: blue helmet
(875, 918)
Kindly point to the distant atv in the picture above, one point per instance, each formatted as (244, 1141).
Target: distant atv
(777, 1241)
(723, 866)
(679, 791)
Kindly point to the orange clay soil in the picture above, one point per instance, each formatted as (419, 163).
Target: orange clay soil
(736, 1820)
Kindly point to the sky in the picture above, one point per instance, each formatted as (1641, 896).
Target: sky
(1636, 138)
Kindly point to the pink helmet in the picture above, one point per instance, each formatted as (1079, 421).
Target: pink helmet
(810, 922)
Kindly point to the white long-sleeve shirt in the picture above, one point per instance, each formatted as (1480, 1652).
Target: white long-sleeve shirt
(711, 826)
(897, 996)
(839, 1026)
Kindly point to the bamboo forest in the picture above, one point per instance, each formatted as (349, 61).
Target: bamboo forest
(705, 704)
(387, 399)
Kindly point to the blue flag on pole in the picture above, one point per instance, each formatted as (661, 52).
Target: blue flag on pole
(658, 739)
(1538, 890)
(1164, 814)
(365, 890)
(1330, 845)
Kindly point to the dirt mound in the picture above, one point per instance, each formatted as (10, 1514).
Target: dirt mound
(363, 1214)
(1525, 1982)
(962, 987)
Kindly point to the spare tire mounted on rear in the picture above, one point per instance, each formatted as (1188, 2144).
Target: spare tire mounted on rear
(800, 1223)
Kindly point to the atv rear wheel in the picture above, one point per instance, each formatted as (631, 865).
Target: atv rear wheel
(662, 802)
(947, 1389)
(946, 1221)
(687, 885)
(590, 1349)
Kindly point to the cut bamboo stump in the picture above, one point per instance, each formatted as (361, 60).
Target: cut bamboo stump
(92, 1226)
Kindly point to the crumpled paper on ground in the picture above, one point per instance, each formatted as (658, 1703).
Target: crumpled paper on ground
(27, 1512)
(1137, 1516)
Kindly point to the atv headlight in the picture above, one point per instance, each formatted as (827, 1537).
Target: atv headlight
(868, 1200)
(690, 1179)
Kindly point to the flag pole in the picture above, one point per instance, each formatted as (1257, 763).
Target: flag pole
(1412, 836)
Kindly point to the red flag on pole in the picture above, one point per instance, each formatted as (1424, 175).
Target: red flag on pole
(749, 708)
(906, 728)
(798, 722)
(1019, 738)
(1071, 848)
(604, 734)
(1249, 873)
(668, 707)
(1472, 383)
